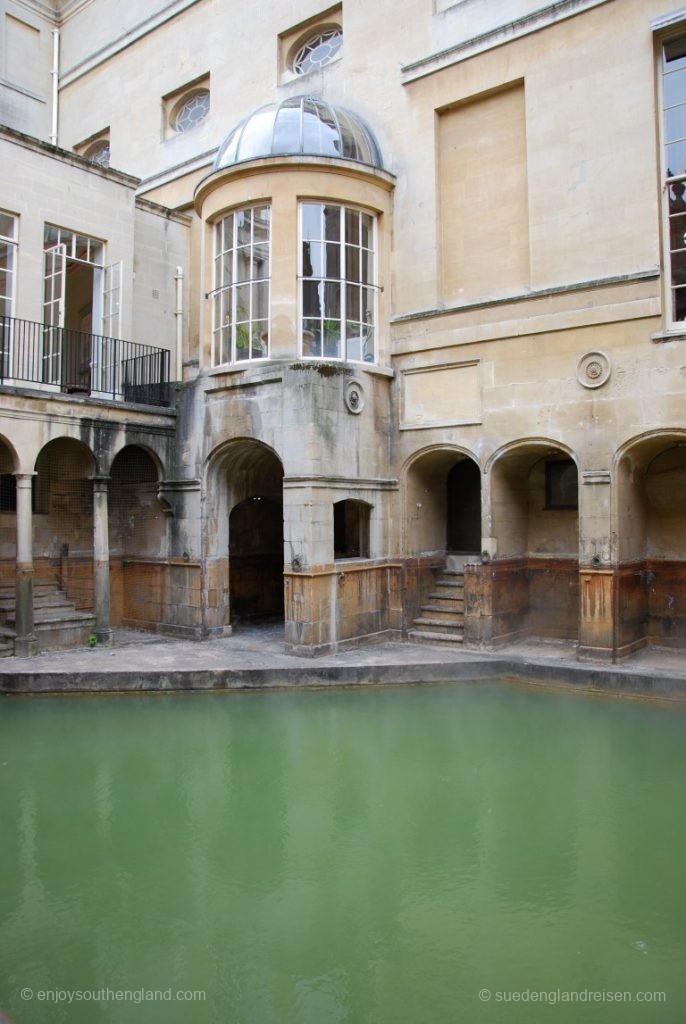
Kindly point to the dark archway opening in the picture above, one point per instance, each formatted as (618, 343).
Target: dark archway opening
(351, 529)
(256, 558)
(463, 515)
(139, 590)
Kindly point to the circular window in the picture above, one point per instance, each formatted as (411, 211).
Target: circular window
(317, 51)
(191, 111)
(99, 153)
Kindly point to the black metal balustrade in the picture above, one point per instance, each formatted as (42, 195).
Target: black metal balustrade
(73, 362)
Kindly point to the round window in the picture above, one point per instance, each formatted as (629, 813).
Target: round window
(99, 153)
(191, 111)
(317, 51)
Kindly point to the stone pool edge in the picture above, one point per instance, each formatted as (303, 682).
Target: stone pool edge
(612, 679)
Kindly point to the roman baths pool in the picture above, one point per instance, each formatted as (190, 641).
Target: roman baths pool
(470, 852)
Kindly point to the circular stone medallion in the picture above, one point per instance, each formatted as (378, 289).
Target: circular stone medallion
(354, 397)
(593, 369)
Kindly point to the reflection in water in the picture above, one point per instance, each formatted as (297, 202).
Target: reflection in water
(373, 856)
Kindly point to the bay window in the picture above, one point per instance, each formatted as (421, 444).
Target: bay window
(241, 286)
(337, 276)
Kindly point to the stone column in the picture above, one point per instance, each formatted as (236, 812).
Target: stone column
(101, 561)
(25, 642)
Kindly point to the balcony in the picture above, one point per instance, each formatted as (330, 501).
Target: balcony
(58, 359)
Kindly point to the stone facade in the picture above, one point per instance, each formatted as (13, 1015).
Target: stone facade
(510, 409)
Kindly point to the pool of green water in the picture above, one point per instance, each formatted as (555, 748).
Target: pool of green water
(476, 852)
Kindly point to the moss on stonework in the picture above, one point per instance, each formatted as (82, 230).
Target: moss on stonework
(323, 369)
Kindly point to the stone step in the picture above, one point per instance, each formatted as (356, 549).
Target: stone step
(447, 600)
(437, 613)
(49, 599)
(450, 584)
(7, 590)
(6, 648)
(424, 636)
(57, 613)
(454, 572)
(59, 634)
(439, 625)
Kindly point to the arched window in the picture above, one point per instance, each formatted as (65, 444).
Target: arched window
(351, 529)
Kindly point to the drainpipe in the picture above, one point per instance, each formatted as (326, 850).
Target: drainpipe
(55, 73)
(178, 313)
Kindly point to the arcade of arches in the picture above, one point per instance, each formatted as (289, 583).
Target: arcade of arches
(83, 551)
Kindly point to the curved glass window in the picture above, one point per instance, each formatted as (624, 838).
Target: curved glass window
(99, 153)
(191, 111)
(317, 51)
(338, 277)
(241, 286)
(300, 124)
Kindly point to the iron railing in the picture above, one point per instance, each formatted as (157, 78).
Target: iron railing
(73, 362)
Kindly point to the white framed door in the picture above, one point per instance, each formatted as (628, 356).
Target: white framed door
(105, 355)
(55, 278)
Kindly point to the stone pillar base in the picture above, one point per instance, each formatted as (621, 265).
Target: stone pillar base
(105, 637)
(25, 646)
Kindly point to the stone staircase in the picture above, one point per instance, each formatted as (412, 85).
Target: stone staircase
(57, 624)
(442, 618)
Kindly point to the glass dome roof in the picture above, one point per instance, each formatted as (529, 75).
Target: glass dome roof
(301, 125)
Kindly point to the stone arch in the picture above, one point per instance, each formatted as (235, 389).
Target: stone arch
(649, 475)
(425, 500)
(138, 538)
(526, 443)
(9, 465)
(534, 488)
(149, 450)
(243, 532)
(9, 459)
(63, 518)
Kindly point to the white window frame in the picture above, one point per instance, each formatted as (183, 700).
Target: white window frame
(9, 297)
(232, 288)
(671, 324)
(372, 285)
(107, 279)
(12, 242)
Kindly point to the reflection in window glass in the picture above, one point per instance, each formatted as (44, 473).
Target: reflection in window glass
(561, 484)
(674, 138)
(8, 256)
(338, 297)
(241, 286)
(319, 50)
(76, 247)
(99, 153)
(192, 111)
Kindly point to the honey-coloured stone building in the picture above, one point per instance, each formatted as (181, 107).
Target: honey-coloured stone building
(367, 318)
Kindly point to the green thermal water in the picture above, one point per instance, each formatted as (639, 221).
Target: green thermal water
(368, 857)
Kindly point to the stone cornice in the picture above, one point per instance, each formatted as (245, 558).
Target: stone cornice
(534, 22)
(66, 156)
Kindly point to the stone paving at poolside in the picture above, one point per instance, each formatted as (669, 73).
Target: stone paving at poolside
(254, 657)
